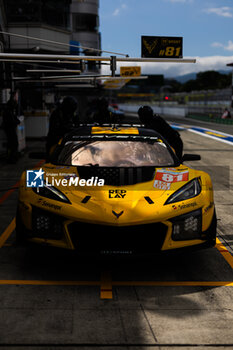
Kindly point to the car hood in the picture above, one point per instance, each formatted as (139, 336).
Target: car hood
(126, 205)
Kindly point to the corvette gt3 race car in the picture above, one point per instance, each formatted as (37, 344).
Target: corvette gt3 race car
(116, 189)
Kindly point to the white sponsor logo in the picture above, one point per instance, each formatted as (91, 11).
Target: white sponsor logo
(162, 185)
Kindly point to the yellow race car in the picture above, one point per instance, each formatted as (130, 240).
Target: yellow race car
(116, 189)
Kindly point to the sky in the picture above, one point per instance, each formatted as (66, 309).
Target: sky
(205, 25)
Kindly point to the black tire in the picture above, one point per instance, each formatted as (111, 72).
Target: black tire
(212, 231)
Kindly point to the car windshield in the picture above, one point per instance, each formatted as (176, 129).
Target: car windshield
(115, 154)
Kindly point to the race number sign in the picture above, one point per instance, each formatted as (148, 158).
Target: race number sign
(161, 47)
(171, 176)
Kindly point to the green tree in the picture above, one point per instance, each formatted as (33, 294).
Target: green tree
(209, 80)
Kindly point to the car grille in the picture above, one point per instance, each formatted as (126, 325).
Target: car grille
(94, 238)
(118, 176)
(46, 225)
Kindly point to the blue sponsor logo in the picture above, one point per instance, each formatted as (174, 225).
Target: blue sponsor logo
(35, 178)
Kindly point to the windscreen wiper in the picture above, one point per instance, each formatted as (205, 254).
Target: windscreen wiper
(91, 165)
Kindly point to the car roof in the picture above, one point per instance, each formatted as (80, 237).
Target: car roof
(108, 132)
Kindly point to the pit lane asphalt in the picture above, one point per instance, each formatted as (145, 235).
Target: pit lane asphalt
(151, 306)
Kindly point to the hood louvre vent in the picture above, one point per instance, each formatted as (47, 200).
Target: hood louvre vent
(86, 199)
(149, 200)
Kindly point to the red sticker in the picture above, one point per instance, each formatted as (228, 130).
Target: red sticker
(171, 176)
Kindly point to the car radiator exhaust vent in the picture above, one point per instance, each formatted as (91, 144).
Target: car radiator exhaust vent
(86, 199)
(149, 200)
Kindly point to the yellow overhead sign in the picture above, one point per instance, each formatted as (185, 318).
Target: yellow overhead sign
(130, 71)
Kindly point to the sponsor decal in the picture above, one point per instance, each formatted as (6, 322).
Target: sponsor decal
(176, 169)
(48, 166)
(113, 252)
(48, 205)
(117, 194)
(184, 206)
(209, 207)
(63, 167)
(161, 185)
(171, 176)
(117, 214)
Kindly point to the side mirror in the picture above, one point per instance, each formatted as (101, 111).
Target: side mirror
(37, 155)
(190, 157)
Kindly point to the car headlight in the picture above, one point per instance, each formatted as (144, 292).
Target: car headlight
(51, 193)
(190, 190)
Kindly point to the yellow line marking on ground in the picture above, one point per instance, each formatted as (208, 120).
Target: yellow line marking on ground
(106, 285)
(173, 283)
(6, 234)
(215, 134)
(49, 283)
(225, 252)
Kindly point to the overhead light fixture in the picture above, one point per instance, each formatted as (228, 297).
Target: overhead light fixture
(81, 77)
(76, 86)
(53, 71)
(61, 58)
(123, 78)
